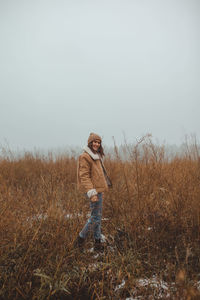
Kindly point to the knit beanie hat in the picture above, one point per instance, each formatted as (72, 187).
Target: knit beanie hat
(93, 136)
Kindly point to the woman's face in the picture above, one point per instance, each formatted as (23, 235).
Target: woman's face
(95, 145)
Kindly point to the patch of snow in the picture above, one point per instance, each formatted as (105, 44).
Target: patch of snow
(72, 216)
(103, 238)
(44, 216)
(91, 250)
(162, 288)
(198, 285)
(154, 281)
(120, 285)
(93, 267)
(37, 217)
(138, 298)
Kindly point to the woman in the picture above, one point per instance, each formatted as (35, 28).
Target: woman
(92, 180)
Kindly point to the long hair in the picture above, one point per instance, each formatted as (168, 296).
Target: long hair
(100, 150)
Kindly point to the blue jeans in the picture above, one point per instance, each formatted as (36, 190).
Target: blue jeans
(94, 222)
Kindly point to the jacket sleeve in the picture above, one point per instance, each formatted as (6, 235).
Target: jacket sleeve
(85, 176)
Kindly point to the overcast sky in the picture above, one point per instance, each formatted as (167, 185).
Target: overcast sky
(68, 68)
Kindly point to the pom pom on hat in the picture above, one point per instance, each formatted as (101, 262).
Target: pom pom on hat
(93, 136)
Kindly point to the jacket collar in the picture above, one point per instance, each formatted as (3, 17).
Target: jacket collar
(93, 155)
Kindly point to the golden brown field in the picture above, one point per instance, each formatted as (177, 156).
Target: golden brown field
(151, 226)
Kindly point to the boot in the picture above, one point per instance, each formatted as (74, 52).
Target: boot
(79, 241)
(98, 246)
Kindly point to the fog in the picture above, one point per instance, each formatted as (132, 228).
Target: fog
(118, 68)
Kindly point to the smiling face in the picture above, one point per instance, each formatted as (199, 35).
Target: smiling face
(95, 145)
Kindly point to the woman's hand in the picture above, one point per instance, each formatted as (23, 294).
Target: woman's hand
(94, 198)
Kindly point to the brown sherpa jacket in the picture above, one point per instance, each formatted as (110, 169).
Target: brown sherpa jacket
(90, 174)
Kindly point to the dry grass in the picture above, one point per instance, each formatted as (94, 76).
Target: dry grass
(152, 228)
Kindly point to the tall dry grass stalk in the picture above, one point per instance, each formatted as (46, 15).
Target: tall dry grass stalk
(152, 227)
